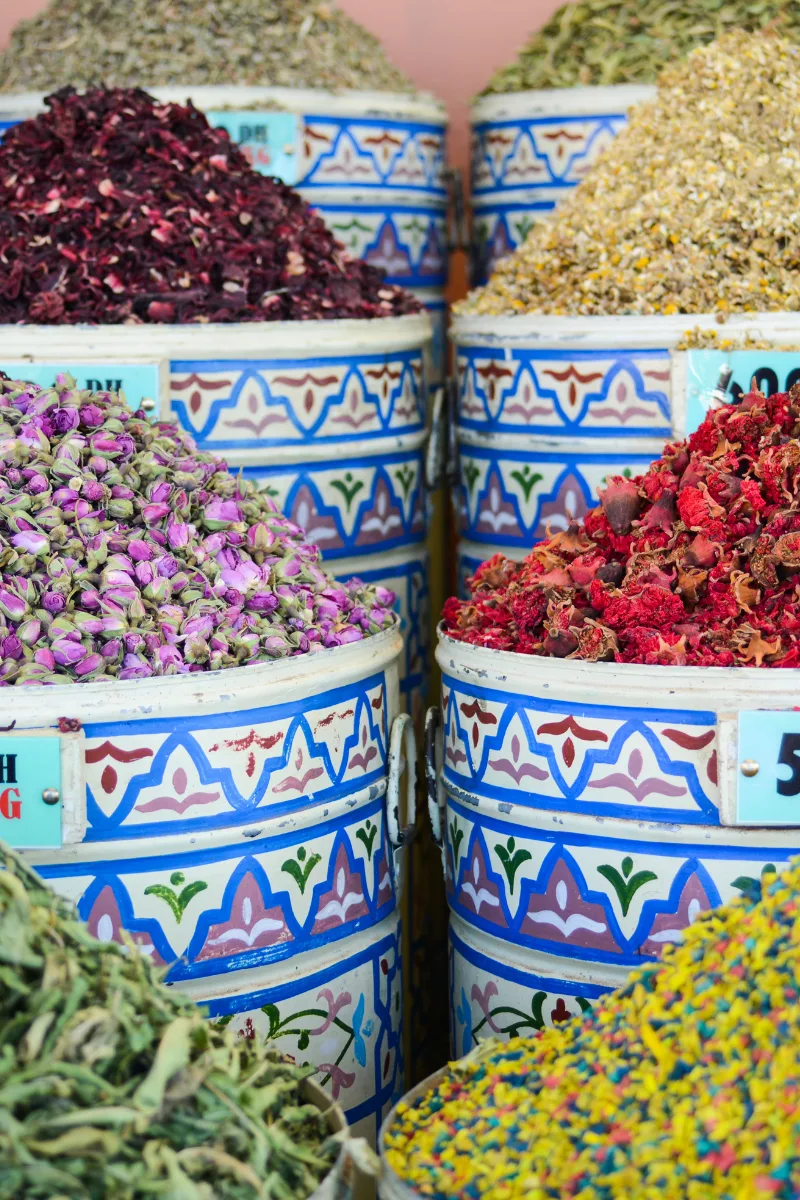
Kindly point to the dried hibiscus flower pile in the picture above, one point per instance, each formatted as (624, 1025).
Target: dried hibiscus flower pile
(115, 209)
(125, 552)
(695, 563)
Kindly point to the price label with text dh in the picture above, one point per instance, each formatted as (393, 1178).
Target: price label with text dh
(139, 381)
(30, 791)
(270, 141)
(768, 768)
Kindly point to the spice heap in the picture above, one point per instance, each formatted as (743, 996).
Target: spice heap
(113, 1085)
(629, 41)
(287, 43)
(127, 553)
(690, 208)
(696, 563)
(684, 1084)
(115, 209)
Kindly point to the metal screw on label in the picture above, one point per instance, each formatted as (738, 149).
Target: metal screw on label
(749, 767)
(51, 795)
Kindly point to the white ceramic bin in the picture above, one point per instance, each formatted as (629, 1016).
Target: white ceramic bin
(529, 149)
(547, 407)
(588, 814)
(371, 163)
(330, 416)
(235, 823)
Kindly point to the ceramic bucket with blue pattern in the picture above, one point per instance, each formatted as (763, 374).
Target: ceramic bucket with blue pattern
(529, 150)
(586, 821)
(235, 825)
(372, 164)
(547, 408)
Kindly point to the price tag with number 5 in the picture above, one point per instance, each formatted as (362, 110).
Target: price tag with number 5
(768, 768)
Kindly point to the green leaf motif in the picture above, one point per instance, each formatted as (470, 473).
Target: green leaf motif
(456, 838)
(177, 901)
(272, 1012)
(340, 228)
(471, 473)
(626, 885)
(512, 859)
(367, 834)
(405, 476)
(537, 1004)
(527, 480)
(301, 869)
(523, 227)
(348, 488)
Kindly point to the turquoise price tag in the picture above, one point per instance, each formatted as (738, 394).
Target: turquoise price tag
(30, 775)
(139, 381)
(270, 141)
(774, 371)
(768, 768)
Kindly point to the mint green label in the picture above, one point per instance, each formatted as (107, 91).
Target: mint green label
(770, 739)
(139, 381)
(773, 371)
(270, 141)
(29, 766)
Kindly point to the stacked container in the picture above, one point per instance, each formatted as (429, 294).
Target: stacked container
(242, 827)
(371, 163)
(529, 149)
(329, 416)
(588, 816)
(547, 408)
(274, 809)
(588, 812)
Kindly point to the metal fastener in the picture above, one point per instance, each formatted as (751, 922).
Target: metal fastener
(51, 795)
(749, 767)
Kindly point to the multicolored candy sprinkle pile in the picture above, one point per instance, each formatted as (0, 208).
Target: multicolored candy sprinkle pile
(682, 1085)
(125, 552)
(115, 209)
(695, 563)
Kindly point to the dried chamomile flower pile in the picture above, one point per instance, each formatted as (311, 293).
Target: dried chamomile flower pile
(126, 553)
(112, 1085)
(630, 41)
(684, 1084)
(690, 209)
(286, 43)
(695, 563)
(117, 210)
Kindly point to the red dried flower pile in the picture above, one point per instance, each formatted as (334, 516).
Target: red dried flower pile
(115, 209)
(695, 563)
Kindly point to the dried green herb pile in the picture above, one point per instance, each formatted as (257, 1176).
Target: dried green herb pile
(111, 1085)
(629, 41)
(286, 43)
(691, 209)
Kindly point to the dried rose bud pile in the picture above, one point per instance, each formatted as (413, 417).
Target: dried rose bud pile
(115, 209)
(695, 563)
(127, 553)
